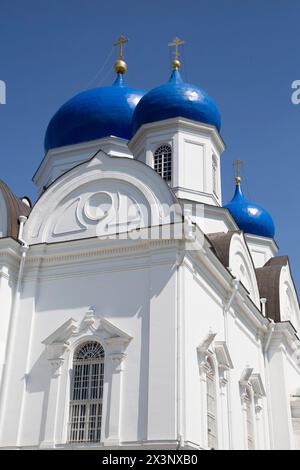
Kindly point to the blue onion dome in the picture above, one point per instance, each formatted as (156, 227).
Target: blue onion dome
(176, 99)
(250, 217)
(93, 114)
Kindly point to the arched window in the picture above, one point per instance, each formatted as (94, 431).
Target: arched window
(211, 405)
(163, 162)
(215, 174)
(87, 393)
(250, 427)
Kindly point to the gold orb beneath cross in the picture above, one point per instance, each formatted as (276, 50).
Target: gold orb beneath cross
(120, 66)
(176, 64)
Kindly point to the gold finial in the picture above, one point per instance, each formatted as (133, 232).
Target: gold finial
(237, 164)
(120, 65)
(176, 43)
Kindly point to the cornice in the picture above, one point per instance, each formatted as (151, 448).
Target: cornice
(74, 251)
(262, 241)
(90, 146)
(285, 334)
(178, 123)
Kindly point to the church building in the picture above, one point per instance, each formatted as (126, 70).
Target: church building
(137, 310)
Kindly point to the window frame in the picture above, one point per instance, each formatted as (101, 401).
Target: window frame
(91, 403)
(166, 163)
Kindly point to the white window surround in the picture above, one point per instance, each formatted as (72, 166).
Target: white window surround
(217, 352)
(251, 387)
(60, 347)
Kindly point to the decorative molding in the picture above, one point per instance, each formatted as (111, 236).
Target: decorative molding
(244, 383)
(110, 336)
(222, 355)
(117, 360)
(257, 386)
(203, 350)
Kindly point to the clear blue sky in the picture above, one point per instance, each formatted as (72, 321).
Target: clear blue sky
(244, 53)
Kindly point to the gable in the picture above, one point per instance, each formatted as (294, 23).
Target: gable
(104, 196)
(241, 266)
(233, 252)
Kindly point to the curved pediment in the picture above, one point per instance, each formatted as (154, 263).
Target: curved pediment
(241, 265)
(11, 207)
(104, 196)
(277, 286)
(288, 300)
(233, 252)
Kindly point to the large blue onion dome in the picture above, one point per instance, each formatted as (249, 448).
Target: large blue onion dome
(176, 99)
(94, 113)
(250, 217)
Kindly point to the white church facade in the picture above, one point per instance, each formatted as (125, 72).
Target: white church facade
(137, 311)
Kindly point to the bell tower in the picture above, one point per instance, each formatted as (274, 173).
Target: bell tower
(177, 133)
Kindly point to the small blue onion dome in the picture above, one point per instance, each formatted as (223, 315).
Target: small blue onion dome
(92, 114)
(250, 217)
(176, 99)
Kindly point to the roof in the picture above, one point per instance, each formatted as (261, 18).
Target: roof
(15, 207)
(220, 242)
(176, 99)
(268, 283)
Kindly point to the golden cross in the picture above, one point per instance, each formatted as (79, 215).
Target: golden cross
(237, 164)
(176, 43)
(120, 42)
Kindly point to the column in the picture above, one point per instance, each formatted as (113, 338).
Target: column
(51, 416)
(114, 399)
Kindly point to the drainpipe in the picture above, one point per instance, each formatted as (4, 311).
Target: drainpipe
(13, 319)
(271, 328)
(235, 288)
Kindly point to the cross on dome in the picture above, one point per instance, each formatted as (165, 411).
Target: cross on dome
(237, 165)
(120, 65)
(176, 43)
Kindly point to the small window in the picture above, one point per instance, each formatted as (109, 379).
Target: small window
(163, 162)
(87, 393)
(215, 174)
(211, 405)
(250, 427)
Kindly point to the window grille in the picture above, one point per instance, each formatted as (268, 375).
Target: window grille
(211, 406)
(87, 393)
(163, 162)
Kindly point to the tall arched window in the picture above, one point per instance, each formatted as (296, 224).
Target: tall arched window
(87, 393)
(163, 162)
(211, 405)
(250, 427)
